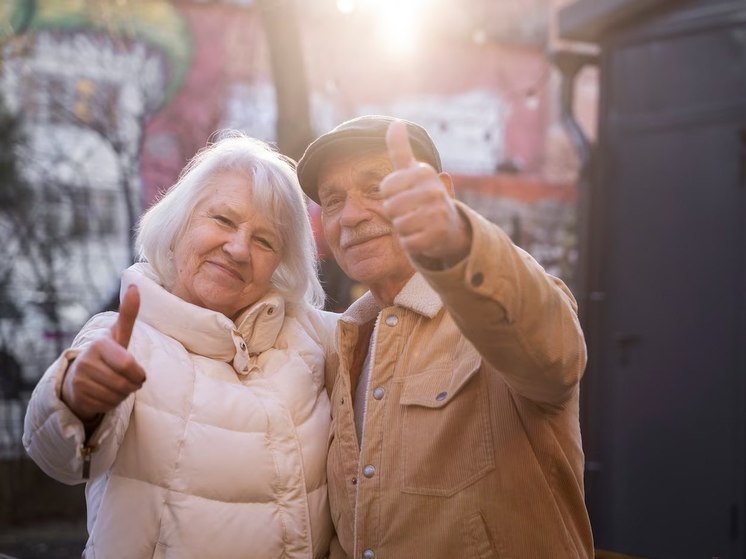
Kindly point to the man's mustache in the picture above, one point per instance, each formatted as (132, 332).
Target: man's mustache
(355, 236)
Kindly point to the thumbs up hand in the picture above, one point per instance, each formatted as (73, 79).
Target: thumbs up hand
(105, 373)
(419, 204)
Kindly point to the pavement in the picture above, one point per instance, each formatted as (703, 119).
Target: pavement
(43, 540)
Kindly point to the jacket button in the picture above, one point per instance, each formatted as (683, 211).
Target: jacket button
(378, 393)
(441, 396)
(354, 481)
(369, 471)
(477, 279)
(368, 554)
(392, 320)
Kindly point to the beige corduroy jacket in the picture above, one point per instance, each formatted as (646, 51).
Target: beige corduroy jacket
(471, 442)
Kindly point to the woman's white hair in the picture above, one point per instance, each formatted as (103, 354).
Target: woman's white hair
(274, 190)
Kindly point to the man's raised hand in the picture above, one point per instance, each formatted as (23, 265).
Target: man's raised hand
(420, 206)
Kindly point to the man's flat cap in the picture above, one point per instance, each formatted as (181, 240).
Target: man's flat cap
(365, 132)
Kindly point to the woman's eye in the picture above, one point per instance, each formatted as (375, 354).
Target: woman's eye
(222, 219)
(265, 243)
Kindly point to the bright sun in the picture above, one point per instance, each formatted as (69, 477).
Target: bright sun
(396, 23)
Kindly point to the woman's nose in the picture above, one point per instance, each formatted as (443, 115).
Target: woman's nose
(237, 247)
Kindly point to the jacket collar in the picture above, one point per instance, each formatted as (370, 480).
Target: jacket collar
(260, 324)
(201, 330)
(416, 295)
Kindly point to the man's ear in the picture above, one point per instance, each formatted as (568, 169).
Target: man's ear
(447, 181)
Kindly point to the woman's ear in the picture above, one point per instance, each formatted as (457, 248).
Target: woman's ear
(447, 181)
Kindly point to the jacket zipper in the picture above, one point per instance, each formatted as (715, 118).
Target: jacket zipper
(86, 451)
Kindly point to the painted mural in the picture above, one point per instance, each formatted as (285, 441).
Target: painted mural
(117, 96)
(84, 82)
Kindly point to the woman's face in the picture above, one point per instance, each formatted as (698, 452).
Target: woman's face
(226, 257)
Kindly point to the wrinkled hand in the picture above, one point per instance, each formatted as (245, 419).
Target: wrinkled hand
(430, 227)
(105, 373)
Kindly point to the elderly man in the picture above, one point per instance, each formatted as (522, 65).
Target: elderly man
(455, 427)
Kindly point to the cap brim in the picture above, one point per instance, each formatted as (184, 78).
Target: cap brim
(318, 151)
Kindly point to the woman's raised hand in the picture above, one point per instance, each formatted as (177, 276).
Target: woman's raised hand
(105, 373)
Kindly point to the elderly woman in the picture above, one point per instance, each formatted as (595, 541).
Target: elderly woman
(201, 426)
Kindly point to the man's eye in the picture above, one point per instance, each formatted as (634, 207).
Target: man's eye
(331, 203)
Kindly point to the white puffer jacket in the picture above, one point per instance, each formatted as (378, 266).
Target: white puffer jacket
(221, 453)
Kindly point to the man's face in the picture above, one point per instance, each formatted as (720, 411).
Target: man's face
(356, 228)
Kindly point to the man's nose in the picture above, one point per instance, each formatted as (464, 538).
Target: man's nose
(354, 211)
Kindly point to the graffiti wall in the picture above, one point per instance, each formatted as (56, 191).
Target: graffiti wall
(84, 83)
(117, 96)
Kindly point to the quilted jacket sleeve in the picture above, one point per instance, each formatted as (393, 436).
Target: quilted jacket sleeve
(54, 437)
(522, 320)
(321, 326)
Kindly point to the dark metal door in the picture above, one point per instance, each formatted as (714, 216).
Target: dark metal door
(673, 359)
(673, 330)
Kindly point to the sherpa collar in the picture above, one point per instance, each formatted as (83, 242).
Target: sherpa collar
(416, 295)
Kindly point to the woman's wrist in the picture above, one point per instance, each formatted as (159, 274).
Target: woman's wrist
(67, 398)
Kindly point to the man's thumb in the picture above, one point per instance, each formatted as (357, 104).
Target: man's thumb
(128, 309)
(398, 145)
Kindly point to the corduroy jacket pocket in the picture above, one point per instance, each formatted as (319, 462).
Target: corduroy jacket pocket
(446, 431)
